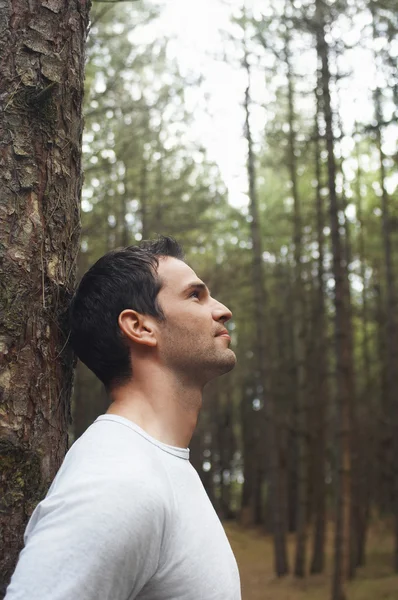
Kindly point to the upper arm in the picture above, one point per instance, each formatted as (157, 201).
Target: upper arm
(93, 540)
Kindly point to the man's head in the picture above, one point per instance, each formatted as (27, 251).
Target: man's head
(145, 301)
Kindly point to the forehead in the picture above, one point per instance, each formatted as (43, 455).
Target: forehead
(175, 274)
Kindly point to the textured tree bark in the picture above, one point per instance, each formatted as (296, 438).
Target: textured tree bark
(41, 88)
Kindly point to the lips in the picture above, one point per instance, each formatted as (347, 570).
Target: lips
(223, 333)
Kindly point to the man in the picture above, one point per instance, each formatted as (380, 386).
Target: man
(127, 516)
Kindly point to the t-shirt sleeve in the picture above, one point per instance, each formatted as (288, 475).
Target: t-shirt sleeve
(94, 540)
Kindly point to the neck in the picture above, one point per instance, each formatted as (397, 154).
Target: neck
(163, 405)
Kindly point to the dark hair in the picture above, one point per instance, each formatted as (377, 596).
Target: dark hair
(123, 278)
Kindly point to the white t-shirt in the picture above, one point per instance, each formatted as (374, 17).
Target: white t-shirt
(126, 517)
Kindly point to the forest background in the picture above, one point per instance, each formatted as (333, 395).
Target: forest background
(264, 137)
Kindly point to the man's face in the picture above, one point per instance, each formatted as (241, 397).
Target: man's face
(193, 340)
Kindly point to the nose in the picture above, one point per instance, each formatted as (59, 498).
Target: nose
(221, 313)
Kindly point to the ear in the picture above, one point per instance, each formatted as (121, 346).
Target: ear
(137, 327)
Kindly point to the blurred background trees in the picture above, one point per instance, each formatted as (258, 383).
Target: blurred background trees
(289, 212)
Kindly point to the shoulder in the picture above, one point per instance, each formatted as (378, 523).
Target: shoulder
(112, 467)
(105, 516)
(106, 504)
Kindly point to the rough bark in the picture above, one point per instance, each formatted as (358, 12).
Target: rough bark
(42, 47)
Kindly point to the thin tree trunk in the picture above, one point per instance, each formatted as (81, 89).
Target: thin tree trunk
(247, 419)
(291, 418)
(123, 226)
(299, 338)
(42, 45)
(263, 373)
(344, 372)
(322, 388)
(225, 446)
(144, 200)
(355, 496)
(391, 299)
(159, 199)
(392, 337)
(384, 437)
(365, 424)
(283, 392)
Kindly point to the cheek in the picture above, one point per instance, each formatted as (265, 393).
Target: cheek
(192, 326)
(196, 319)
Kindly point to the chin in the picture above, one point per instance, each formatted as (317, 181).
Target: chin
(226, 364)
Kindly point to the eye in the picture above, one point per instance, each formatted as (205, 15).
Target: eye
(195, 294)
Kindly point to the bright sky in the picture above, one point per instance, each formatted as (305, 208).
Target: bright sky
(196, 27)
(198, 30)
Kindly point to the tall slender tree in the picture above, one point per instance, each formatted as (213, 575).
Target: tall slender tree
(365, 430)
(321, 395)
(344, 373)
(299, 324)
(263, 371)
(391, 298)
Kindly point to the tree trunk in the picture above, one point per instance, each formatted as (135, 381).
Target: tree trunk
(299, 338)
(344, 372)
(144, 200)
(267, 409)
(321, 396)
(365, 424)
(247, 419)
(159, 198)
(391, 298)
(123, 236)
(355, 497)
(384, 433)
(42, 45)
(224, 443)
(392, 336)
(227, 446)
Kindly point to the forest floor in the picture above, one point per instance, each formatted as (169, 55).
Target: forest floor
(254, 554)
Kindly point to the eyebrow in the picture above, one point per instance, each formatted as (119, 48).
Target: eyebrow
(197, 285)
